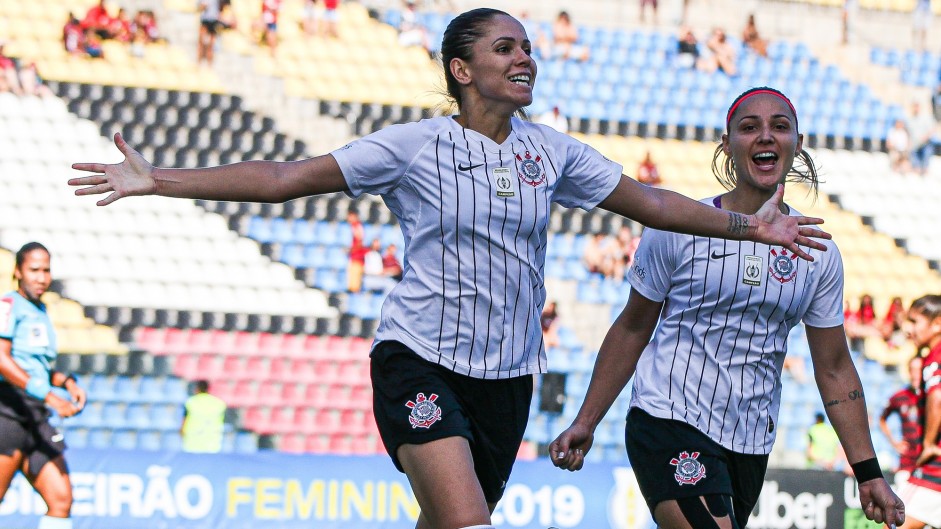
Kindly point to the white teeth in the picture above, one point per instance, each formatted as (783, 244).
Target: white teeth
(524, 79)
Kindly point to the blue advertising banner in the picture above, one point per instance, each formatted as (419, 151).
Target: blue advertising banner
(150, 490)
(118, 489)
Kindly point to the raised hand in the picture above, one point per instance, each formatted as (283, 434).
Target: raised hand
(132, 177)
(780, 229)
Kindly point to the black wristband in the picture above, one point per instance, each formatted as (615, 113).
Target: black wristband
(867, 470)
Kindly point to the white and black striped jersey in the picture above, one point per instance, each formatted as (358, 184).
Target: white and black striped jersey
(474, 215)
(716, 356)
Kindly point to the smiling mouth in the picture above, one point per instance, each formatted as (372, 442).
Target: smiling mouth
(765, 160)
(521, 79)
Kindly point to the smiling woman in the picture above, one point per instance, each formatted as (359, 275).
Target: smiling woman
(459, 337)
(706, 328)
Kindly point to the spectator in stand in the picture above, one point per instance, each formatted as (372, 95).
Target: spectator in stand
(905, 403)
(98, 20)
(687, 49)
(898, 143)
(921, 127)
(564, 43)
(893, 324)
(550, 324)
(627, 244)
(210, 12)
(73, 37)
(723, 54)
(374, 278)
(411, 30)
(9, 76)
(922, 492)
(354, 274)
(555, 119)
(647, 172)
(120, 27)
(644, 5)
(32, 83)
(921, 21)
(595, 256)
(310, 18)
(850, 10)
(752, 38)
(331, 18)
(92, 43)
(270, 9)
(391, 267)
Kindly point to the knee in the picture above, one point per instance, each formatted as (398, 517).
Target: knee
(58, 501)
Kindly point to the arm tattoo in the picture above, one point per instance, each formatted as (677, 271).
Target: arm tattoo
(738, 223)
(856, 394)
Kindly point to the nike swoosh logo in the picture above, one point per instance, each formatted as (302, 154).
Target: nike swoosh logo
(720, 255)
(468, 167)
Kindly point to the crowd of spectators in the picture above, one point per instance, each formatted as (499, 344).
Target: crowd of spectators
(20, 77)
(84, 37)
(610, 256)
(910, 141)
(863, 323)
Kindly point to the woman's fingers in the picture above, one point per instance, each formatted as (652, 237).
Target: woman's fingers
(90, 167)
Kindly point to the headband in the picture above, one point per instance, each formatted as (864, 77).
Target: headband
(728, 117)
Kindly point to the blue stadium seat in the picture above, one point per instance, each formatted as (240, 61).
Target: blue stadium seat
(331, 280)
(127, 389)
(166, 416)
(149, 440)
(76, 437)
(245, 443)
(172, 441)
(337, 257)
(124, 439)
(293, 255)
(175, 390)
(304, 232)
(259, 229)
(99, 438)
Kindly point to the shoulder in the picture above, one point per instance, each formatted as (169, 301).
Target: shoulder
(539, 130)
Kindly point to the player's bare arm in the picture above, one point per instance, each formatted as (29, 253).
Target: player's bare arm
(251, 181)
(666, 210)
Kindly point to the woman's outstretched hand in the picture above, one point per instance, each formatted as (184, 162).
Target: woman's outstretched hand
(132, 177)
(780, 229)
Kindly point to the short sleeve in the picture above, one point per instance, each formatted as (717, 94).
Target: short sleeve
(376, 163)
(7, 318)
(826, 307)
(587, 177)
(654, 263)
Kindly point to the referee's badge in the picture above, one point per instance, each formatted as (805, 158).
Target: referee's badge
(529, 169)
(783, 266)
(503, 181)
(688, 468)
(424, 411)
(752, 271)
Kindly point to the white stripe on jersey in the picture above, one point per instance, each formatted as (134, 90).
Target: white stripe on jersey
(474, 215)
(716, 355)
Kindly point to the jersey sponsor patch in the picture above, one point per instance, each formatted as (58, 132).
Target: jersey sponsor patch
(38, 335)
(424, 411)
(783, 266)
(688, 468)
(502, 182)
(6, 313)
(751, 272)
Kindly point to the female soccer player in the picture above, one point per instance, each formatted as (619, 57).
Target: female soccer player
(707, 387)
(28, 443)
(459, 337)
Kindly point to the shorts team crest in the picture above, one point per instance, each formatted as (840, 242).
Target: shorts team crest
(688, 468)
(424, 411)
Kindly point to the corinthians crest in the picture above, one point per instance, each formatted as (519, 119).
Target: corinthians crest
(688, 468)
(529, 170)
(424, 411)
(783, 268)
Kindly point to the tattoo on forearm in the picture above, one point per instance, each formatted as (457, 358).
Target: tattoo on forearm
(856, 394)
(738, 223)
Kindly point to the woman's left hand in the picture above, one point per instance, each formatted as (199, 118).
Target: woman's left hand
(779, 229)
(927, 454)
(77, 394)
